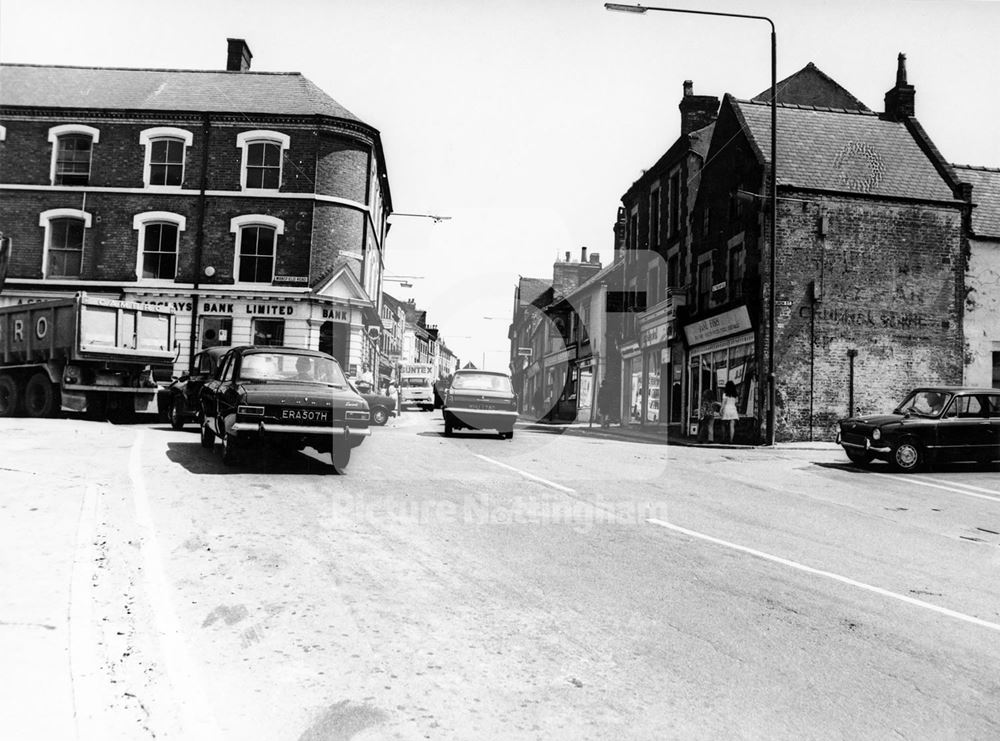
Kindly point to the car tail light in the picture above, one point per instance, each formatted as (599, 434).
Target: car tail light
(250, 411)
(357, 416)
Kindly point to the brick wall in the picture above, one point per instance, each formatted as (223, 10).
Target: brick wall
(890, 277)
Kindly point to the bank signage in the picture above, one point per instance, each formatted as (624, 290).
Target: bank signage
(729, 322)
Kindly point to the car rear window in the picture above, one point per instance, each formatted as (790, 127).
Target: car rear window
(481, 382)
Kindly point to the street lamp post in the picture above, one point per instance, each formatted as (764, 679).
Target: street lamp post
(774, 180)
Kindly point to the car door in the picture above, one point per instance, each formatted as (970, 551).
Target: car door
(991, 402)
(964, 429)
(213, 388)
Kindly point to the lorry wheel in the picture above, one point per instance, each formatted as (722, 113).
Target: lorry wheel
(176, 413)
(10, 399)
(340, 457)
(207, 436)
(39, 396)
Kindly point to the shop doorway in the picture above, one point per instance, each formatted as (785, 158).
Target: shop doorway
(334, 339)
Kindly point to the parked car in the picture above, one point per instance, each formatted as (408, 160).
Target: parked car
(937, 423)
(180, 401)
(380, 406)
(480, 400)
(288, 398)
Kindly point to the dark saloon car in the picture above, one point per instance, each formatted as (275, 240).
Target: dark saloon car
(181, 400)
(380, 406)
(936, 423)
(480, 400)
(288, 398)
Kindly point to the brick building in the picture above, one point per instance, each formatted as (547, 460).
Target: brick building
(252, 203)
(870, 266)
(982, 280)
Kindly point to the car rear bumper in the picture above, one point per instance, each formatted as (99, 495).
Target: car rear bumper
(489, 419)
(261, 428)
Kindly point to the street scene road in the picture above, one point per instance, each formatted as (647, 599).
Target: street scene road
(566, 583)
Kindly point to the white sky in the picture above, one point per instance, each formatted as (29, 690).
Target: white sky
(526, 120)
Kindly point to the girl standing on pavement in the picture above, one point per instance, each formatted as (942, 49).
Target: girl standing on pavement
(729, 412)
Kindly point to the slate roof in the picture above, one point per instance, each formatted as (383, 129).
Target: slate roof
(812, 86)
(842, 150)
(986, 197)
(529, 289)
(282, 93)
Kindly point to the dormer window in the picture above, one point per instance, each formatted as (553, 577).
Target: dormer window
(263, 152)
(72, 147)
(165, 155)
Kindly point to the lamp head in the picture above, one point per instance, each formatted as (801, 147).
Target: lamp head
(624, 8)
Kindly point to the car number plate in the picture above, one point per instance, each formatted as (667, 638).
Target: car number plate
(306, 415)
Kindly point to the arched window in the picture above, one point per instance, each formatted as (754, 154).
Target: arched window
(263, 152)
(256, 247)
(159, 238)
(165, 155)
(62, 252)
(72, 147)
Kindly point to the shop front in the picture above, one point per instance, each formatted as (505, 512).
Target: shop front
(722, 349)
(633, 396)
(657, 340)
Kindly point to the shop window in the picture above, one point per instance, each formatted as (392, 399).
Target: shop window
(269, 332)
(62, 255)
(165, 155)
(72, 150)
(159, 234)
(256, 247)
(216, 331)
(996, 370)
(263, 153)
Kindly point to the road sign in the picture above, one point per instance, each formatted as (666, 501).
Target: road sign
(525, 351)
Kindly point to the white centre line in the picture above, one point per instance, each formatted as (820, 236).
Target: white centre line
(829, 575)
(527, 475)
(196, 716)
(948, 486)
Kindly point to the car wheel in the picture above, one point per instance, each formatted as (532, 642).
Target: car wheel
(230, 449)
(448, 428)
(340, 456)
(175, 413)
(10, 399)
(207, 436)
(380, 416)
(858, 458)
(39, 396)
(506, 434)
(907, 456)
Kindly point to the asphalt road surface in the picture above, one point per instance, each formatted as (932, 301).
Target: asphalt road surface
(552, 586)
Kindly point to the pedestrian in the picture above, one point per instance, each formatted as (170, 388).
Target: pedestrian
(706, 417)
(604, 403)
(729, 411)
(392, 392)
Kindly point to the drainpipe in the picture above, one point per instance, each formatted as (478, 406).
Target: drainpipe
(851, 354)
(199, 241)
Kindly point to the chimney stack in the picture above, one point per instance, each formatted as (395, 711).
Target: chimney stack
(900, 102)
(697, 111)
(238, 56)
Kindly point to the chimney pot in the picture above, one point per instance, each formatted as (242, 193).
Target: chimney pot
(567, 256)
(583, 254)
(238, 56)
(688, 88)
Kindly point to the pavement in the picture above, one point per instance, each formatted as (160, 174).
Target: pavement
(661, 436)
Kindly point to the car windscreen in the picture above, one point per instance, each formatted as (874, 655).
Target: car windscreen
(924, 403)
(481, 382)
(291, 367)
(415, 382)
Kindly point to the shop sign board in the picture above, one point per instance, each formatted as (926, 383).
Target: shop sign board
(724, 324)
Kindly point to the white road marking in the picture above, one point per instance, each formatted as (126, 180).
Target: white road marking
(196, 718)
(84, 663)
(951, 486)
(829, 575)
(527, 475)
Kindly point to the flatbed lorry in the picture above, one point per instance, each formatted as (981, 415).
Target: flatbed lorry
(83, 354)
